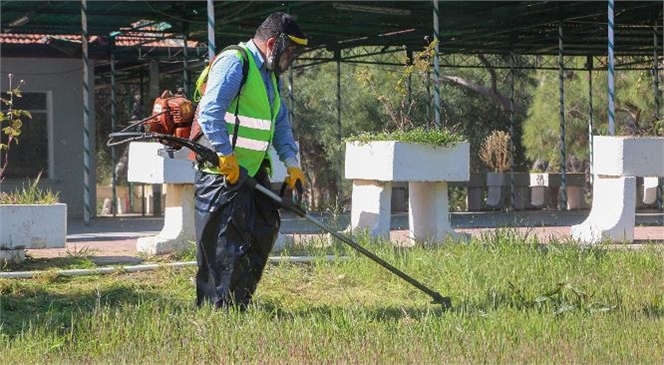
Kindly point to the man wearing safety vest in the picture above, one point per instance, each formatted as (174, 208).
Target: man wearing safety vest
(240, 117)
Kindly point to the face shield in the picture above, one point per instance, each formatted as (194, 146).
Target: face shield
(285, 50)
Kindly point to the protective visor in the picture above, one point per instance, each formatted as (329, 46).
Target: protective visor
(286, 50)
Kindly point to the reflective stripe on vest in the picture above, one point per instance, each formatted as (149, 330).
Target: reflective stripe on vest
(249, 122)
(251, 144)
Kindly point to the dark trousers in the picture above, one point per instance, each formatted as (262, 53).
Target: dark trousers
(236, 227)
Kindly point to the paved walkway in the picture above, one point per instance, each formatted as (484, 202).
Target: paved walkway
(112, 240)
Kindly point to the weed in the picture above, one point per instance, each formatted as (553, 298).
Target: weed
(30, 194)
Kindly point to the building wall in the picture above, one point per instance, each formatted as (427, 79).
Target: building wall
(63, 78)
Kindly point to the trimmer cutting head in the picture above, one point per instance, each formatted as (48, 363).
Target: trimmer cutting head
(445, 302)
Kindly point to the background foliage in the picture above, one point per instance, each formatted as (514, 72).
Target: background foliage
(635, 113)
(474, 103)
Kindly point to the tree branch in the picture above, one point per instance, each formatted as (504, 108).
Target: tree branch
(495, 95)
(492, 72)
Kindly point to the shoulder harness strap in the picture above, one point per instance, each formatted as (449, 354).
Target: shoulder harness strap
(245, 72)
(203, 79)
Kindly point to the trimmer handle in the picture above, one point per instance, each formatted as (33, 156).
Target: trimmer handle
(294, 202)
(298, 188)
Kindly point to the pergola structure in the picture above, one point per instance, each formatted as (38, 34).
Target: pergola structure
(340, 31)
(122, 35)
(465, 27)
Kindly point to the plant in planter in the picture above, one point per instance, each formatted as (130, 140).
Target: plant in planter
(435, 137)
(30, 217)
(408, 150)
(424, 159)
(414, 155)
(402, 94)
(30, 194)
(495, 151)
(407, 122)
(495, 154)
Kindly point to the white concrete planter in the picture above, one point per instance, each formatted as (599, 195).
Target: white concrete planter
(496, 183)
(427, 168)
(33, 226)
(617, 163)
(499, 190)
(404, 161)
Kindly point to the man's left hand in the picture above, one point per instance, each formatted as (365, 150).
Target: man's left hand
(294, 174)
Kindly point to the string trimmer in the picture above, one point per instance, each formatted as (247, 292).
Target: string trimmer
(209, 155)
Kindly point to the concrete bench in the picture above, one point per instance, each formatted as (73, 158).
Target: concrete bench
(149, 164)
(375, 166)
(617, 163)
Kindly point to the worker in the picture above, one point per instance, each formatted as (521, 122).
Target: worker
(240, 115)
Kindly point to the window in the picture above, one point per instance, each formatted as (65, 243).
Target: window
(30, 156)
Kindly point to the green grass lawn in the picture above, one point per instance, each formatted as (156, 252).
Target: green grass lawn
(514, 301)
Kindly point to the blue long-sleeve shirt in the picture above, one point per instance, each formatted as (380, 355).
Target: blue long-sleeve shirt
(223, 83)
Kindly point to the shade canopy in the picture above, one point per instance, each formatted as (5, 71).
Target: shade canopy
(525, 27)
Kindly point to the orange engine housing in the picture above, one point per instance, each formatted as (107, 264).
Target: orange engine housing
(172, 114)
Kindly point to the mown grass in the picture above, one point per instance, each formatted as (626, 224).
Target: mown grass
(515, 301)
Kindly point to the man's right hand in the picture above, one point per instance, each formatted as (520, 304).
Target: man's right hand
(229, 167)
